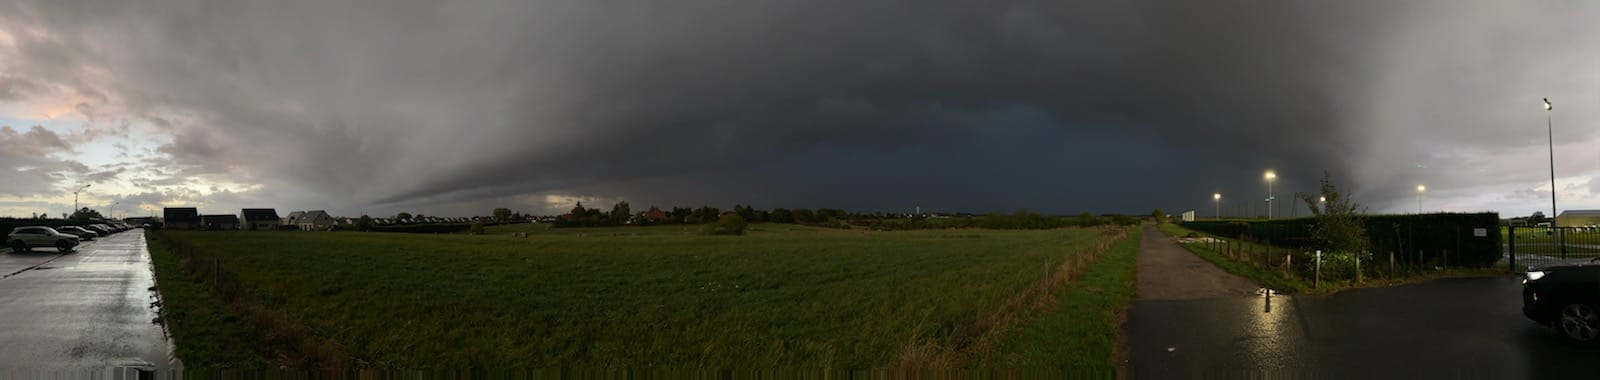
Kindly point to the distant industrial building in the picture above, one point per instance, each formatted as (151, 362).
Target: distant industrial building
(1578, 218)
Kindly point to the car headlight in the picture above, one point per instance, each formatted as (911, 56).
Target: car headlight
(1535, 275)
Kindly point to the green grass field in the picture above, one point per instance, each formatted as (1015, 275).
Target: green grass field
(781, 295)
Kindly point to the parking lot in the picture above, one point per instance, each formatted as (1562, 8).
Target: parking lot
(89, 310)
(1455, 328)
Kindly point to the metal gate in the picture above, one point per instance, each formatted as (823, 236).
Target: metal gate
(1535, 247)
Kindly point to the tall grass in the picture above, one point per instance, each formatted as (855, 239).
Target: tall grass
(644, 297)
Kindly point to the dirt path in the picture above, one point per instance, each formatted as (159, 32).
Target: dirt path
(1169, 272)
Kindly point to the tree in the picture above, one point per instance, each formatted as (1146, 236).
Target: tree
(1160, 216)
(403, 216)
(365, 223)
(578, 211)
(1339, 228)
(475, 229)
(85, 214)
(781, 215)
(501, 214)
(1537, 217)
(620, 213)
(804, 216)
(1087, 220)
(731, 224)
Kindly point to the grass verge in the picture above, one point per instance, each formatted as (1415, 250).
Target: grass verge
(1082, 334)
(207, 334)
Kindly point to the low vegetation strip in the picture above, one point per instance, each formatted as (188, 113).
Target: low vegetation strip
(209, 335)
(983, 334)
(653, 297)
(1078, 331)
(273, 335)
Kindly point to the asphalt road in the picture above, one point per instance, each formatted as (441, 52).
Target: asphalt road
(83, 311)
(1455, 328)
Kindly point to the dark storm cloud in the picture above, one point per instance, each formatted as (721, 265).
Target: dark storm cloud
(974, 106)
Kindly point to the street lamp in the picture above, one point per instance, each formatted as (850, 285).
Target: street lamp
(75, 198)
(1217, 198)
(1550, 133)
(1270, 176)
(1420, 189)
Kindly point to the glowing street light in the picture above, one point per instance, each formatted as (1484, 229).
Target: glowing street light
(1420, 189)
(1217, 198)
(1270, 176)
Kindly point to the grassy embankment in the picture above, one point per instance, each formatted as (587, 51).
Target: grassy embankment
(782, 295)
(1277, 276)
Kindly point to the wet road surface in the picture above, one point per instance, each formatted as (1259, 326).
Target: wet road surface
(82, 311)
(1453, 328)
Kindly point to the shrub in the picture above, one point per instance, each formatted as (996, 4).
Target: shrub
(731, 224)
(476, 228)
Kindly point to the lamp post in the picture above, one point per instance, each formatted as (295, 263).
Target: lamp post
(1270, 176)
(75, 197)
(1217, 198)
(1420, 189)
(1550, 133)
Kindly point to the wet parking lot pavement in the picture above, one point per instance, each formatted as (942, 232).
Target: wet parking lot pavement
(83, 312)
(1452, 328)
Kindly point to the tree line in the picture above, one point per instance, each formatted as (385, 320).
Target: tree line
(622, 214)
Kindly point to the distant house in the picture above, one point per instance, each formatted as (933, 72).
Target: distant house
(654, 216)
(259, 219)
(1578, 218)
(1188, 216)
(181, 218)
(222, 222)
(294, 216)
(315, 220)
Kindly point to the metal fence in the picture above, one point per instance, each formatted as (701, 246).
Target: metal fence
(1536, 247)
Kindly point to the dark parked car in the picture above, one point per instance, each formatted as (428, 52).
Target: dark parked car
(83, 234)
(1566, 297)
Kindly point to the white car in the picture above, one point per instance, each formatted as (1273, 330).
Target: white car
(22, 239)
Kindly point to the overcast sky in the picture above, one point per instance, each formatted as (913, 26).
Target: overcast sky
(1057, 106)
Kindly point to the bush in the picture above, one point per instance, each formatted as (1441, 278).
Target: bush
(731, 224)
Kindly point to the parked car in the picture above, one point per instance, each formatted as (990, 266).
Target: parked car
(24, 238)
(105, 231)
(82, 233)
(1566, 297)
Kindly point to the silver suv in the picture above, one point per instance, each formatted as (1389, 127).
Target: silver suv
(24, 238)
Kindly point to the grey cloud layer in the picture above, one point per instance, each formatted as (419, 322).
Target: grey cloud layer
(977, 106)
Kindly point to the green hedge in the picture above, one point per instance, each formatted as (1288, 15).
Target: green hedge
(1433, 235)
(437, 228)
